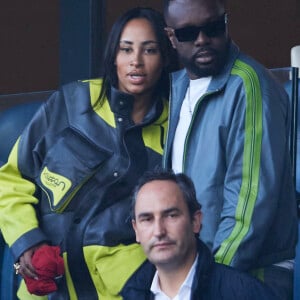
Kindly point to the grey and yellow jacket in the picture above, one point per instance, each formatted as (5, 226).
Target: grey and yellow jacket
(69, 179)
(237, 153)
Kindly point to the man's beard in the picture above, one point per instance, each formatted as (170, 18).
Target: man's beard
(201, 70)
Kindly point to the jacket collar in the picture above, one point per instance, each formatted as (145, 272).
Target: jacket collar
(122, 103)
(203, 269)
(219, 81)
(141, 280)
(181, 80)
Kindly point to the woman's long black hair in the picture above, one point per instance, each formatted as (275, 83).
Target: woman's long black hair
(109, 75)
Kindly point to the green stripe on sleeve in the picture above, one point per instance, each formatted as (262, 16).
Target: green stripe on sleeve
(251, 162)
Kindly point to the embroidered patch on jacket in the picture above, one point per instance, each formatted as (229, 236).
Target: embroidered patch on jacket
(57, 184)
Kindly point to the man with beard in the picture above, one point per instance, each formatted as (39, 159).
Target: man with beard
(229, 131)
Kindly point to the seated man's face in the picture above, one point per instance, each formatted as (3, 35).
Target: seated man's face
(163, 224)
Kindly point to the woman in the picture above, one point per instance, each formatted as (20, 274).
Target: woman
(70, 175)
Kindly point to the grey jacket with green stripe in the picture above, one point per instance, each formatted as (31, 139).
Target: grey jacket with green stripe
(237, 153)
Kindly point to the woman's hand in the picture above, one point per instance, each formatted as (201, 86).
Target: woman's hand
(26, 268)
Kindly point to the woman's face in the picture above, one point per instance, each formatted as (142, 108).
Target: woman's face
(138, 61)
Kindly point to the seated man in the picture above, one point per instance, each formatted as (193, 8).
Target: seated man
(166, 218)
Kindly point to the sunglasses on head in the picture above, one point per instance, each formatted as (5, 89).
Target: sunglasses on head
(211, 29)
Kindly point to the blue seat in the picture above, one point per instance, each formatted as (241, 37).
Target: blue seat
(12, 122)
(292, 87)
(289, 78)
(297, 268)
(295, 96)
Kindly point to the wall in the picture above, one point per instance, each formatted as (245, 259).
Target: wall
(29, 32)
(29, 57)
(266, 29)
(114, 8)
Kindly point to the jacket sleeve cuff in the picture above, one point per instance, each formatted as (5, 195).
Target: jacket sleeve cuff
(26, 241)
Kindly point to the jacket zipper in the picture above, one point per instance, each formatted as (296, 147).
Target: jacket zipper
(164, 162)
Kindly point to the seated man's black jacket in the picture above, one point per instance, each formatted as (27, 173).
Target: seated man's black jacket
(212, 281)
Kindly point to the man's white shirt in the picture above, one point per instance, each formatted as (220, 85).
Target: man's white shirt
(184, 292)
(196, 89)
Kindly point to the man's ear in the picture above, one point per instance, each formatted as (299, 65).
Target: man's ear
(197, 221)
(171, 36)
(134, 228)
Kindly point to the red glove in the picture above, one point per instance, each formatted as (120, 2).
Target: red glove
(48, 264)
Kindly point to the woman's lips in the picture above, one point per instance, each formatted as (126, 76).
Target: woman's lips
(136, 78)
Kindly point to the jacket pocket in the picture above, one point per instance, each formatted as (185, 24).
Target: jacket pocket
(114, 266)
(68, 164)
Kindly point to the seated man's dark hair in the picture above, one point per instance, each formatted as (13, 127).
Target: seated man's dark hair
(183, 181)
